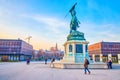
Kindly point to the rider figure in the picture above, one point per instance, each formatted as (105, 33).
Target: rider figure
(74, 21)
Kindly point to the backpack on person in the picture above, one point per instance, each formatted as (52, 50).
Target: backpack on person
(88, 62)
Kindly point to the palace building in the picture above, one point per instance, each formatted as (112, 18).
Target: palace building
(15, 50)
(104, 51)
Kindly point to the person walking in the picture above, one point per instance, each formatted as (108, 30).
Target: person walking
(45, 60)
(53, 59)
(110, 64)
(52, 65)
(86, 63)
(28, 61)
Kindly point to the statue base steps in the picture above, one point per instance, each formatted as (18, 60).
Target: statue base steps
(77, 65)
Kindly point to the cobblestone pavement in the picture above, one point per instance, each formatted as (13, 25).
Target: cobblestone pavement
(40, 71)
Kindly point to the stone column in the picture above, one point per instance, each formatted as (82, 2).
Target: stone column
(74, 48)
(84, 49)
(119, 58)
(101, 57)
(109, 56)
(74, 51)
(67, 48)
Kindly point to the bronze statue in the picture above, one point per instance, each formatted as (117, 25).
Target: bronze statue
(74, 24)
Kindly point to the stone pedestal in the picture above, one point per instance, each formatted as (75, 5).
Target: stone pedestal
(75, 51)
(78, 65)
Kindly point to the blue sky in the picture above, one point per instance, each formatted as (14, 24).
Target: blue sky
(45, 20)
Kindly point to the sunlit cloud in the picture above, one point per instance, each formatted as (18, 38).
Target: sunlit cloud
(51, 24)
(48, 20)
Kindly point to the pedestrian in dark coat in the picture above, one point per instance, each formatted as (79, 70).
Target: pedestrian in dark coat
(86, 63)
(53, 59)
(28, 61)
(110, 64)
(45, 60)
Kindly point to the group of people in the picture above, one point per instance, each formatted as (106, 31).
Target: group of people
(86, 63)
(28, 61)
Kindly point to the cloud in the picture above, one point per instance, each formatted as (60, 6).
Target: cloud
(98, 32)
(47, 20)
(50, 24)
(54, 22)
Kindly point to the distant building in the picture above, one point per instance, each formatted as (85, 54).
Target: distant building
(15, 49)
(54, 48)
(35, 54)
(103, 51)
(54, 52)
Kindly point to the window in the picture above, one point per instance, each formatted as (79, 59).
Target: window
(79, 48)
(70, 48)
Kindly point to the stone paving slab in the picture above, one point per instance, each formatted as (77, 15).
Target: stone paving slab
(40, 71)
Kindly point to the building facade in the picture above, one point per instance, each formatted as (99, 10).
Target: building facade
(15, 50)
(104, 51)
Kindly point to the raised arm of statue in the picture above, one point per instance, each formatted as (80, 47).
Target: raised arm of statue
(73, 7)
(72, 10)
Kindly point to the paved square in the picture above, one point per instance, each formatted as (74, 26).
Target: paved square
(40, 71)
